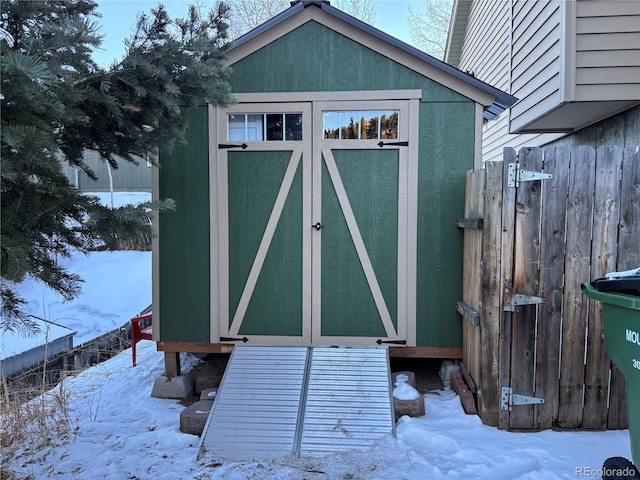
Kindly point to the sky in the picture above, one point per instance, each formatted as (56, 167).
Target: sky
(118, 19)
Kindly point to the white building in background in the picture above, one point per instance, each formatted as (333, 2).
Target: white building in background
(574, 65)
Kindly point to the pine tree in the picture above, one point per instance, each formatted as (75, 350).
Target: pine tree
(57, 103)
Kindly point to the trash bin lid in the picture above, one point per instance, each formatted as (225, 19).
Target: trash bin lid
(623, 282)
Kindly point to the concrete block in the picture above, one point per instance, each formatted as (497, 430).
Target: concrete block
(194, 417)
(446, 369)
(209, 374)
(208, 394)
(411, 378)
(412, 408)
(457, 383)
(181, 386)
(466, 397)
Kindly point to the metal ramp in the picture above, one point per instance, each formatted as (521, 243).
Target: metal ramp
(276, 401)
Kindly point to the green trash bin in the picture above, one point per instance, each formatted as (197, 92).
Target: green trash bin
(621, 318)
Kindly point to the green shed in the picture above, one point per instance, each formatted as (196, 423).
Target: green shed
(322, 207)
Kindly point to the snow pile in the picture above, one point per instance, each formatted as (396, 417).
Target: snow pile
(121, 199)
(117, 287)
(404, 391)
(123, 433)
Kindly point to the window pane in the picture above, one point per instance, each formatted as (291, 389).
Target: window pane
(255, 128)
(236, 128)
(365, 125)
(331, 127)
(274, 127)
(389, 124)
(293, 126)
(370, 125)
(350, 125)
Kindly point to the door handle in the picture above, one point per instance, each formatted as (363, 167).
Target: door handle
(317, 226)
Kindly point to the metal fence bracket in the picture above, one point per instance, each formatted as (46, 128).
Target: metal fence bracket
(517, 175)
(520, 299)
(509, 399)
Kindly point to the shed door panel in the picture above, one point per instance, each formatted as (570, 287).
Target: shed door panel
(262, 248)
(279, 278)
(363, 284)
(359, 243)
(265, 243)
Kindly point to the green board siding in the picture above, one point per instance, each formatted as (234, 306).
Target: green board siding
(184, 237)
(275, 307)
(446, 137)
(331, 62)
(370, 179)
(446, 152)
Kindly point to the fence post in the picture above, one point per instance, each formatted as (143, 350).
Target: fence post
(490, 314)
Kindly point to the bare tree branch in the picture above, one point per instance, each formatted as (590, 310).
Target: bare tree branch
(364, 10)
(249, 14)
(429, 28)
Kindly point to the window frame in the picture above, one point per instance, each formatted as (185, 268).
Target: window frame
(264, 126)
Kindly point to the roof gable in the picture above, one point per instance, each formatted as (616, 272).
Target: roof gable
(493, 100)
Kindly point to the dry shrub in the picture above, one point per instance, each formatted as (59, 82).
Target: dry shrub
(43, 421)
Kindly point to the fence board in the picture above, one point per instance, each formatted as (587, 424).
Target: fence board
(526, 282)
(472, 264)
(545, 239)
(629, 232)
(603, 260)
(628, 258)
(552, 249)
(577, 269)
(506, 250)
(491, 308)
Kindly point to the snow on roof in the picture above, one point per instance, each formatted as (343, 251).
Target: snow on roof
(15, 343)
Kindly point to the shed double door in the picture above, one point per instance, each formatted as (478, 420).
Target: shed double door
(311, 244)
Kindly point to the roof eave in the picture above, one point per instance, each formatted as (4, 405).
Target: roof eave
(502, 100)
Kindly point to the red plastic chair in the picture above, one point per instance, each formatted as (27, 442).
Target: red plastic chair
(138, 333)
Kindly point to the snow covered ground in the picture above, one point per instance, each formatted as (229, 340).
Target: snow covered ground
(117, 287)
(120, 432)
(123, 433)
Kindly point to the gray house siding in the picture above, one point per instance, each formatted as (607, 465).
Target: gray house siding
(607, 50)
(128, 177)
(574, 66)
(622, 130)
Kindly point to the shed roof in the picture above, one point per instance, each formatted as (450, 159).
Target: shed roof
(495, 101)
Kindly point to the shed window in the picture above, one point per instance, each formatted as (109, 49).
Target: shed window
(360, 125)
(265, 127)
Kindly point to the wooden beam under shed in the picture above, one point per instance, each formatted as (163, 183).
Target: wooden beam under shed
(426, 352)
(407, 352)
(193, 347)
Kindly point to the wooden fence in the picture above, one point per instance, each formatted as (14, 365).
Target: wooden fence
(529, 244)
